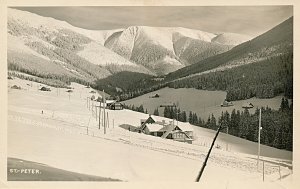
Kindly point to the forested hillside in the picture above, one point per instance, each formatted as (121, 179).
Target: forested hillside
(274, 42)
(264, 79)
(277, 125)
(125, 85)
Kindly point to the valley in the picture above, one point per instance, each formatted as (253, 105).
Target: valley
(202, 102)
(66, 136)
(57, 72)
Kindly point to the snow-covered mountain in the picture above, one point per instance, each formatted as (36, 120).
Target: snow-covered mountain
(274, 43)
(43, 46)
(230, 39)
(150, 46)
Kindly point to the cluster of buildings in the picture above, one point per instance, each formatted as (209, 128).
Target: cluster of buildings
(182, 132)
(114, 105)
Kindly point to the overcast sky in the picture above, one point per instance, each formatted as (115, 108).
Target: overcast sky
(249, 20)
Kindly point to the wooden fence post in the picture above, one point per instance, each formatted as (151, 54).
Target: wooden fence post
(279, 173)
(263, 170)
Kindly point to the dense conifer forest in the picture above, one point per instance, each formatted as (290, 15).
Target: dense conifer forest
(277, 125)
(265, 79)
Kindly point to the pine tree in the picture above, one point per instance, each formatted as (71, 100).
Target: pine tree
(183, 115)
(208, 123)
(195, 119)
(156, 112)
(191, 117)
(167, 112)
(213, 122)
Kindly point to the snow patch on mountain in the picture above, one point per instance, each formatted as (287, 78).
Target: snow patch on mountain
(99, 55)
(49, 24)
(17, 44)
(123, 42)
(166, 65)
(231, 38)
(139, 48)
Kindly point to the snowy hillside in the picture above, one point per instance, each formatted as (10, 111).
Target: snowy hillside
(66, 136)
(48, 24)
(151, 50)
(75, 49)
(230, 38)
(276, 42)
(147, 45)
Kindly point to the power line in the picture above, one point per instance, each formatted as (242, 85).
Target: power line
(207, 156)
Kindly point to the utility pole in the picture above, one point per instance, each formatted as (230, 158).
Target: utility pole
(104, 123)
(207, 156)
(177, 112)
(227, 138)
(259, 128)
(107, 120)
(96, 111)
(99, 113)
(92, 108)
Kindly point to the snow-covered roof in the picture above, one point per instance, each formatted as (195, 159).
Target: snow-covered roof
(110, 101)
(247, 105)
(154, 127)
(185, 126)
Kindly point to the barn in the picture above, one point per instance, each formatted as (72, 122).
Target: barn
(144, 122)
(182, 132)
(153, 129)
(247, 105)
(116, 106)
(178, 135)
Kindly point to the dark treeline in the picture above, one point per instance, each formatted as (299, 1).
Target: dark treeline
(277, 125)
(46, 78)
(265, 79)
(51, 80)
(126, 85)
(136, 108)
(175, 113)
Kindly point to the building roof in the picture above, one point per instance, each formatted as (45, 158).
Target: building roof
(175, 131)
(148, 120)
(110, 101)
(154, 127)
(185, 126)
(247, 105)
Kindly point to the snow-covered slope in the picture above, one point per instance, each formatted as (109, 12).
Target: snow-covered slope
(273, 43)
(230, 39)
(48, 24)
(57, 41)
(151, 50)
(145, 45)
(66, 136)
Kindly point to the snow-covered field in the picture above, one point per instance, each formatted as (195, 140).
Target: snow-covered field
(202, 102)
(66, 136)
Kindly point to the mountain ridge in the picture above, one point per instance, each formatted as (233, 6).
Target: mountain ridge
(277, 40)
(143, 49)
